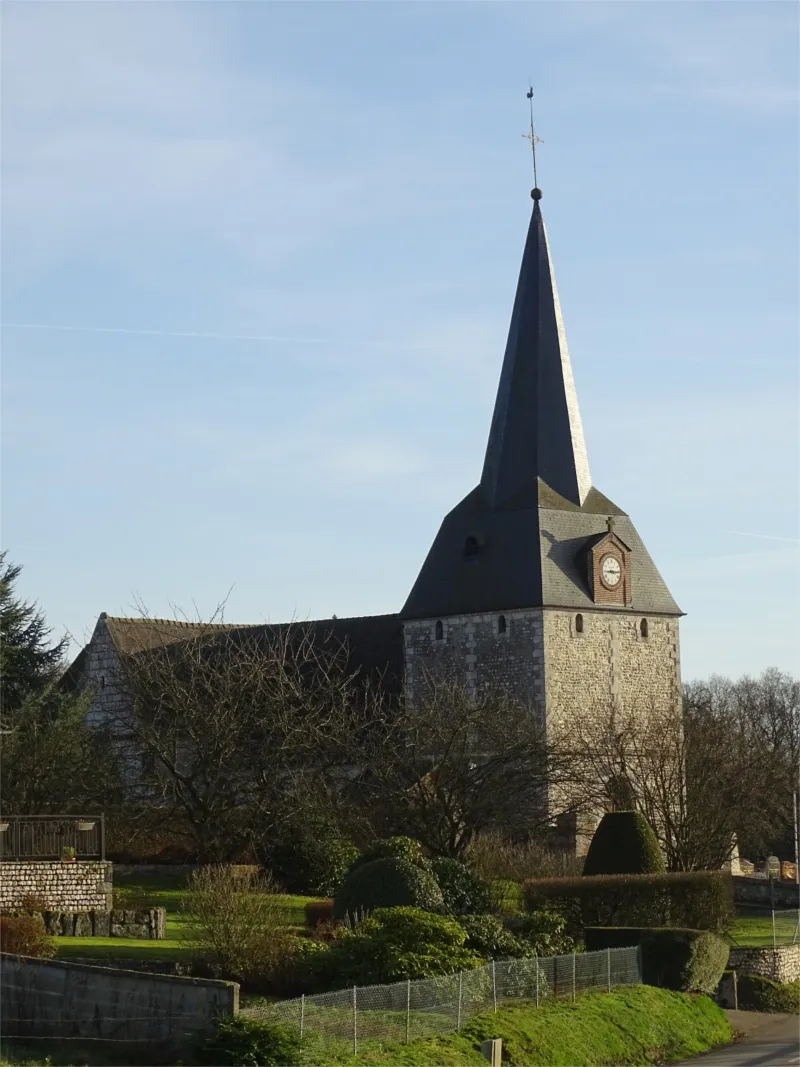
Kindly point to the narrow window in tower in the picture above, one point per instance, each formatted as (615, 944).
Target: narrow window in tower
(501, 624)
(643, 628)
(102, 681)
(439, 630)
(579, 624)
(472, 548)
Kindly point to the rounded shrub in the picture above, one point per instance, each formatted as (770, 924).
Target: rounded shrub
(400, 848)
(689, 961)
(387, 883)
(487, 936)
(311, 859)
(464, 893)
(401, 943)
(245, 1041)
(624, 843)
(758, 993)
(25, 935)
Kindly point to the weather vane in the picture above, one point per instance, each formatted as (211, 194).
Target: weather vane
(534, 140)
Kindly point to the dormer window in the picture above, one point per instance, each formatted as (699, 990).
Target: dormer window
(472, 548)
(439, 630)
(502, 625)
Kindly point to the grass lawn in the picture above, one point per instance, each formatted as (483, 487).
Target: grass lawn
(158, 891)
(756, 930)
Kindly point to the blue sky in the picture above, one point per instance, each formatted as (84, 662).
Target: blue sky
(285, 238)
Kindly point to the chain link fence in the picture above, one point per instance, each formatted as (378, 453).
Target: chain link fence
(765, 927)
(408, 1011)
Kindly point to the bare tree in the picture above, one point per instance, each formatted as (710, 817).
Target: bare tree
(693, 772)
(453, 764)
(234, 727)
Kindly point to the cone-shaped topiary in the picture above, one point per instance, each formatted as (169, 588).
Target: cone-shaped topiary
(624, 843)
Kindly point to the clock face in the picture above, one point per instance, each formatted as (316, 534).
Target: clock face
(611, 570)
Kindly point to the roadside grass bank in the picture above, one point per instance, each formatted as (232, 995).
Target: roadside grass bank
(632, 1025)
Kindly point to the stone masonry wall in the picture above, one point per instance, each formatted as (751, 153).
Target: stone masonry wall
(476, 650)
(80, 886)
(144, 923)
(610, 665)
(781, 964)
(101, 676)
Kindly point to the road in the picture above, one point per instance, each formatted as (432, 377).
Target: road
(770, 1041)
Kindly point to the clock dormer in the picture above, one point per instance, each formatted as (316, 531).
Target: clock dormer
(608, 561)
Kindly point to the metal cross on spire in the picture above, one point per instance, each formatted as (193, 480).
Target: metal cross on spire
(534, 140)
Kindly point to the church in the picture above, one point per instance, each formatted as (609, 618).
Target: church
(536, 582)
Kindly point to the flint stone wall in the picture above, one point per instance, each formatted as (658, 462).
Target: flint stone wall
(147, 923)
(781, 964)
(85, 885)
(758, 891)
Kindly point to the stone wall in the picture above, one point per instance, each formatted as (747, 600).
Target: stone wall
(101, 676)
(476, 650)
(56, 998)
(84, 885)
(781, 964)
(778, 894)
(145, 923)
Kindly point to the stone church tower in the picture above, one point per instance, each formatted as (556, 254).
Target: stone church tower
(536, 582)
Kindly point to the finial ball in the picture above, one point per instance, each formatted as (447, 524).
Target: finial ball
(536, 194)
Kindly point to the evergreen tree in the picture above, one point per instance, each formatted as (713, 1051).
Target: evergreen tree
(28, 662)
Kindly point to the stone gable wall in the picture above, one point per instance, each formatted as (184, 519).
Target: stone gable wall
(81, 886)
(101, 676)
(781, 964)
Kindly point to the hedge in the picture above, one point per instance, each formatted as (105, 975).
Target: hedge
(623, 843)
(698, 900)
(756, 992)
(689, 961)
(464, 893)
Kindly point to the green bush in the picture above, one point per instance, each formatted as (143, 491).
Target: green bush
(698, 900)
(296, 965)
(311, 858)
(757, 993)
(242, 1042)
(398, 848)
(689, 961)
(387, 883)
(25, 935)
(623, 843)
(400, 943)
(487, 936)
(464, 893)
(546, 932)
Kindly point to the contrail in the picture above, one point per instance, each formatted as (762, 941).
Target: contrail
(763, 537)
(168, 333)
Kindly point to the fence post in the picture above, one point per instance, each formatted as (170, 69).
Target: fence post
(639, 962)
(355, 1022)
(302, 1012)
(460, 986)
(573, 976)
(536, 965)
(772, 908)
(494, 988)
(608, 951)
(408, 1011)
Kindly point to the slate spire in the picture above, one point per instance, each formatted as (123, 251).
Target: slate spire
(536, 428)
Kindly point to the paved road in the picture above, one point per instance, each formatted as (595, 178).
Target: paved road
(774, 1042)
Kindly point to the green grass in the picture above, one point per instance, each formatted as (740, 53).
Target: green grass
(634, 1025)
(756, 930)
(159, 891)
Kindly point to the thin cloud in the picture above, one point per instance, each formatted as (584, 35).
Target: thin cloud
(765, 537)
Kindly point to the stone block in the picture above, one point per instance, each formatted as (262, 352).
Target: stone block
(83, 924)
(101, 922)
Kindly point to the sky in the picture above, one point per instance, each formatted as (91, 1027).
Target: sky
(258, 261)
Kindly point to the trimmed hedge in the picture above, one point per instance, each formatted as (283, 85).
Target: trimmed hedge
(689, 961)
(464, 892)
(759, 993)
(697, 900)
(624, 843)
(387, 883)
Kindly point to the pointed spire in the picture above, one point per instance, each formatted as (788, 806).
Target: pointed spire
(536, 428)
